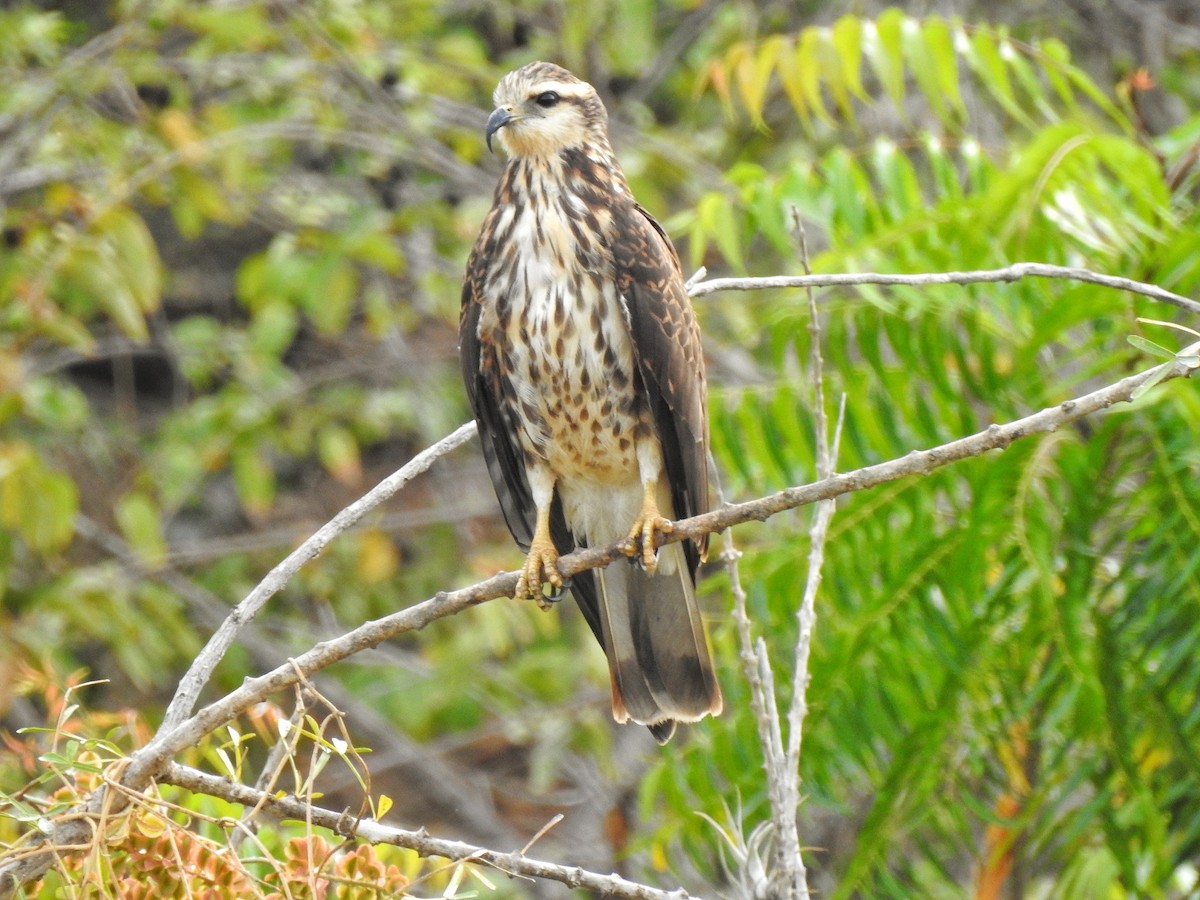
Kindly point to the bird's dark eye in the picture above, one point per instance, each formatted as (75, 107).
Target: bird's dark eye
(546, 99)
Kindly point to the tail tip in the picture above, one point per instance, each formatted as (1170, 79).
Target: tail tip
(663, 731)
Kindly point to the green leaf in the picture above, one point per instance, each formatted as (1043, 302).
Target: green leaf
(851, 193)
(137, 259)
(832, 69)
(35, 501)
(753, 72)
(941, 166)
(923, 66)
(89, 277)
(940, 46)
(791, 76)
(253, 281)
(1084, 84)
(29, 34)
(884, 48)
(811, 65)
(55, 404)
(848, 42)
(1027, 77)
(274, 328)
(985, 58)
(376, 248)
(240, 29)
(1149, 346)
(329, 294)
(1057, 58)
(140, 521)
(1153, 381)
(900, 190)
(254, 478)
(338, 452)
(716, 216)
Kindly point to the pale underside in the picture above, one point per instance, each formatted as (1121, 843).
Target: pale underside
(569, 338)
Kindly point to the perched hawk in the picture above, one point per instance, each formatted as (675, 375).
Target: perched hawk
(582, 362)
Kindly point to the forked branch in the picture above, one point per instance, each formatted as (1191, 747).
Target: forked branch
(156, 760)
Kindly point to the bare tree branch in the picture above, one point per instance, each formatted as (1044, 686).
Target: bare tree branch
(441, 781)
(515, 864)
(179, 731)
(75, 827)
(202, 667)
(1015, 272)
(757, 669)
(791, 877)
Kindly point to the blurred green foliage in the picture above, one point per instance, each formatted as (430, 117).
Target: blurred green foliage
(232, 241)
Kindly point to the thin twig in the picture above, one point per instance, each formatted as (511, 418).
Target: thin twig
(759, 680)
(202, 667)
(756, 669)
(541, 832)
(1015, 272)
(277, 757)
(426, 845)
(443, 783)
(806, 616)
(791, 876)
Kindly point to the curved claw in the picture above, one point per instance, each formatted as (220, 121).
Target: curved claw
(644, 535)
(540, 569)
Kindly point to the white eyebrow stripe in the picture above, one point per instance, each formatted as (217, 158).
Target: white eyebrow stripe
(562, 88)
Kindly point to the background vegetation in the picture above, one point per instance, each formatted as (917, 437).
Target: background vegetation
(233, 235)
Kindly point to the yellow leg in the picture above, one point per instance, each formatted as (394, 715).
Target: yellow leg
(649, 523)
(541, 563)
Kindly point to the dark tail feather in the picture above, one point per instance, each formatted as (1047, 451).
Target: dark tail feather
(663, 731)
(661, 667)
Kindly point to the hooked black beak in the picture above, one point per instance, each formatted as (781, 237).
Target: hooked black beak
(497, 120)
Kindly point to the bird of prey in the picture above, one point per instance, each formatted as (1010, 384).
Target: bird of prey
(582, 361)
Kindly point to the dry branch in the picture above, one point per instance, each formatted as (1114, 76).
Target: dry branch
(1015, 272)
(146, 764)
(202, 667)
(515, 864)
(75, 828)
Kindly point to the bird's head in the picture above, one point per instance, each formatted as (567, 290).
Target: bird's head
(542, 109)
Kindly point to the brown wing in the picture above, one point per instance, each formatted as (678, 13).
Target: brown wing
(484, 382)
(666, 342)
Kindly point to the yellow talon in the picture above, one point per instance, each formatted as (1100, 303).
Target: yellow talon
(541, 565)
(646, 527)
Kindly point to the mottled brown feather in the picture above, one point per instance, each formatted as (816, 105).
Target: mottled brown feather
(497, 432)
(666, 340)
(579, 342)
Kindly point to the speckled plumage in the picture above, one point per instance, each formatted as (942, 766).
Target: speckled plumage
(582, 360)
